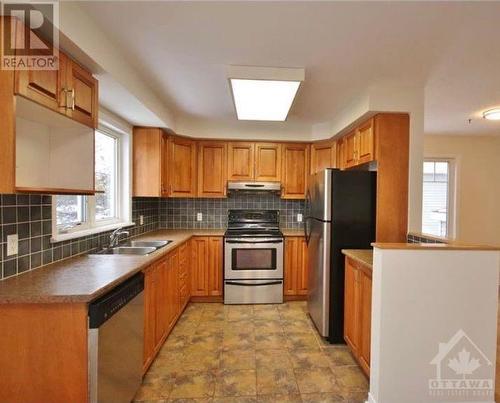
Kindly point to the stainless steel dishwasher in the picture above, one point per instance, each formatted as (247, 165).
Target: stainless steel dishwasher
(115, 343)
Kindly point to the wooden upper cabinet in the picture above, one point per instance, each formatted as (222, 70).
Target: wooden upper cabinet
(182, 167)
(149, 154)
(70, 90)
(240, 161)
(81, 89)
(295, 170)
(350, 150)
(163, 165)
(268, 162)
(365, 145)
(212, 169)
(323, 155)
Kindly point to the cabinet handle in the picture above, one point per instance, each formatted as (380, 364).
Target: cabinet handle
(72, 91)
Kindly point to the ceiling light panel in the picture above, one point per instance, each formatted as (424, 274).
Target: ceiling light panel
(268, 100)
(492, 114)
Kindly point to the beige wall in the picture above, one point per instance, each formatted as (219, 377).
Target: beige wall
(477, 183)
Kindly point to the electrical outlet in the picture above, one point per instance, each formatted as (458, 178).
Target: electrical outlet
(141, 220)
(12, 243)
(199, 217)
(299, 217)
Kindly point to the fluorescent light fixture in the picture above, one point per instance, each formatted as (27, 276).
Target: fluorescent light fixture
(263, 99)
(264, 93)
(492, 114)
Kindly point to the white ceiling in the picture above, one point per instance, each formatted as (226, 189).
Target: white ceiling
(182, 49)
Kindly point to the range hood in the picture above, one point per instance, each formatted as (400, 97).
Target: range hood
(254, 187)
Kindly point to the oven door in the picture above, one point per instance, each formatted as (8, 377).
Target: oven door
(253, 258)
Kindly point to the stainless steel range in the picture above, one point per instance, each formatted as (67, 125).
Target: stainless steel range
(253, 258)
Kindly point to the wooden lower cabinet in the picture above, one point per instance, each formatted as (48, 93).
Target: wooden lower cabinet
(206, 278)
(357, 311)
(164, 299)
(296, 273)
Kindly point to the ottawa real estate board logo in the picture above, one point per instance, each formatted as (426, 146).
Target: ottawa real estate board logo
(30, 35)
(463, 372)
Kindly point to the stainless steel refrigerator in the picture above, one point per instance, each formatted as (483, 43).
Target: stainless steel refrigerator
(339, 214)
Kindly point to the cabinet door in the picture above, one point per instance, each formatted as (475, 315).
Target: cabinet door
(163, 165)
(241, 159)
(173, 301)
(83, 97)
(150, 287)
(268, 162)
(162, 313)
(341, 154)
(291, 264)
(184, 273)
(350, 150)
(199, 267)
(323, 155)
(182, 167)
(365, 319)
(302, 274)
(212, 169)
(147, 162)
(46, 87)
(295, 170)
(215, 266)
(365, 143)
(351, 301)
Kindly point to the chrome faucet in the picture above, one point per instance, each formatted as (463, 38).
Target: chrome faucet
(115, 236)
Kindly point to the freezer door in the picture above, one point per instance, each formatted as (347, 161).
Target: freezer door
(318, 302)
(319, 194)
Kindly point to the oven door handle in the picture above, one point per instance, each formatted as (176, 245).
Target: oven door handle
(262, 241)
(253, 284)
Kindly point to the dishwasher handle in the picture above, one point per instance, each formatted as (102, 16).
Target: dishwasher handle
(103, 308)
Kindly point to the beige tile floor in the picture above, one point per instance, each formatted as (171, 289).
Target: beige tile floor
(251, 353)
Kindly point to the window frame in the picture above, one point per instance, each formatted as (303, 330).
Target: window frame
(122, 132)
(451, 213)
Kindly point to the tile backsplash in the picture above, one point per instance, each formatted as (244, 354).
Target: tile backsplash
(181, 213)
(30, 216)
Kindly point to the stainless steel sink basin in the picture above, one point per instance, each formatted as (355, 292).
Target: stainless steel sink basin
(147, 244)
(128, 250)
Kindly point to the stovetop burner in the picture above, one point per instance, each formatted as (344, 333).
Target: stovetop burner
(253, 223)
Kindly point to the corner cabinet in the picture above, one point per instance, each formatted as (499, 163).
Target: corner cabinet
(295, 170)
(212, 169)
(296, 267)
(357, 311)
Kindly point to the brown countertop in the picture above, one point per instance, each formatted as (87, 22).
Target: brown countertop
(435, 246)
(83, 278)
(363, 256)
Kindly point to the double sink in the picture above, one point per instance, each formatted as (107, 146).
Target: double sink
(139, 248)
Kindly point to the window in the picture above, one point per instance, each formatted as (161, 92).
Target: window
(438, 197)
(82, 215)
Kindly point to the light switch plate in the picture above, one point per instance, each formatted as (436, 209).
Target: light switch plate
(299, 217)
(199, 217)
(12, 244)
(141, 220)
